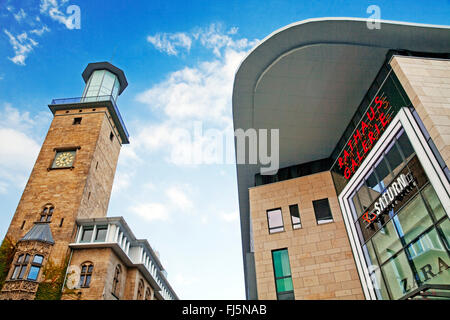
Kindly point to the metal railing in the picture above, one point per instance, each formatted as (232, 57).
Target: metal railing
(107, 98)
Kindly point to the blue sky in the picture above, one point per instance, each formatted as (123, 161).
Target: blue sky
(179, 58)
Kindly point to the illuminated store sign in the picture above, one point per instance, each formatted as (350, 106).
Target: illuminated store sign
(371, 119)
(365, 136)
(390, 197)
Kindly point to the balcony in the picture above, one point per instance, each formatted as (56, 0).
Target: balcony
(77, 102)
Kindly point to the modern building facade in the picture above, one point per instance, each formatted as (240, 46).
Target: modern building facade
(360, 206)
(60, 244)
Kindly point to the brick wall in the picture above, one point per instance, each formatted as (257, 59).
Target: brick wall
(427, 83)
(320, 256)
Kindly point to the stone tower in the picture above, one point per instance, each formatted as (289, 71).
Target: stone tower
(71, 179)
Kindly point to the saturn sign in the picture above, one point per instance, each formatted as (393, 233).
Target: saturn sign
(401, 186)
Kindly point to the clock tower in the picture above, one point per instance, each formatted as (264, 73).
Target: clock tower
(71, 179)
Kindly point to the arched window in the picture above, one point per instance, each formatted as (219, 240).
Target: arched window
(21, 266)
(47, 212)
(116, 281)
(148, 294)
(86, 274)
(140, 293)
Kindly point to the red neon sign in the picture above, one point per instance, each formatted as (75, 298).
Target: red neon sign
(364, 138)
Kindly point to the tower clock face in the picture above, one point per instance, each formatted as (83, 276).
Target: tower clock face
(64, 159)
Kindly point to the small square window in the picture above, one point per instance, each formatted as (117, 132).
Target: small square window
(295, 216)
(77, 120)
(322, 211)
(275, 220)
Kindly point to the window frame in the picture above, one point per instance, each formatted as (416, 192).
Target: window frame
(283, 277)
(268, 221)
(116, 281)
(85, 274)
(292, 222)
(315, 212)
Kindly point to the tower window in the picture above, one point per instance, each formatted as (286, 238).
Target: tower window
(36, 265)
(116, 281)
(77, 120)
(140, 293)
(61, 223)
(23, 225)
(111, 136)
(148, 294)
(47, 213)
(21, 266)
(86, 274)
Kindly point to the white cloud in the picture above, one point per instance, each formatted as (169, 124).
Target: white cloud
(229, 217)
(19, 146)
(179, 198)
(40, 31)
(20, 15)
(169, 42)
(151, 211)
(52, 9)
(22, 45)
(18, 150)
(195, 93)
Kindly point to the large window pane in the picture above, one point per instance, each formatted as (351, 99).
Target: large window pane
(378, 285)
(356, 206)
(444, 227)
(399, 277)
(433, 201)
(383, 173)
(281, 263)
(101, 233)
(405, 146)
(369, 253)
(394, 159)
(413, 219)
(386, 242)
(430, 259)
(87, 234)
(33, 274)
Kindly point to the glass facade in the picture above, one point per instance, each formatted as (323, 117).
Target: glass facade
(102, 83)
(406, 246)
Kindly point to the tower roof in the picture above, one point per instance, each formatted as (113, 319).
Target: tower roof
(91, 67)
(39, 232)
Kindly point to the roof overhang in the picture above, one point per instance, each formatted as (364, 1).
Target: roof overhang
(307, 80)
